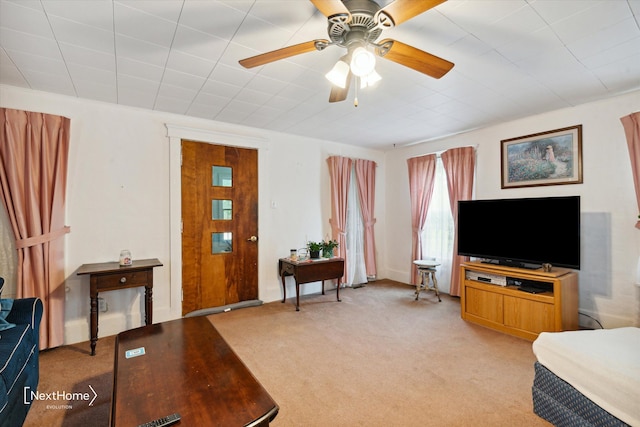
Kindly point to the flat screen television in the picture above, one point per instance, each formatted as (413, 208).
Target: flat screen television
(523, 232)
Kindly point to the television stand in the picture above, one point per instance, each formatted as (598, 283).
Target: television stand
(510, 310)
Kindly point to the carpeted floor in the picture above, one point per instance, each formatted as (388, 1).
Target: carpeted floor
(378, 358)
(71, 369)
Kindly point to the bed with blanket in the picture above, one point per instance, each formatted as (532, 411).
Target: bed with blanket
(588, 378)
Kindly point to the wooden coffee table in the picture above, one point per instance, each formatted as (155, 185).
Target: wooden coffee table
(187, 368)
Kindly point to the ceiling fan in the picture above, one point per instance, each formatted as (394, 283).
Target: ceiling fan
(356, 25)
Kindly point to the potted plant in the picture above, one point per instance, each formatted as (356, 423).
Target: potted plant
(327, 247)
(314, 249)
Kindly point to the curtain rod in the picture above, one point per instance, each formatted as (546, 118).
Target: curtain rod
(438, 154)
(352, 158)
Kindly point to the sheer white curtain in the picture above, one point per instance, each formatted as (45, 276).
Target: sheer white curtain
(357, 271)
(438, 233)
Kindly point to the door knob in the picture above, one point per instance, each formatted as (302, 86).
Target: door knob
(252, 239)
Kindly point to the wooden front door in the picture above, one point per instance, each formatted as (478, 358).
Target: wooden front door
(219, 225)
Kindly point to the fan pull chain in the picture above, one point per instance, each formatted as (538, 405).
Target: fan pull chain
(355, 99)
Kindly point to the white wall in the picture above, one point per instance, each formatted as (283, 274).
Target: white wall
(610, 243)
(120, 196)
(121, 193)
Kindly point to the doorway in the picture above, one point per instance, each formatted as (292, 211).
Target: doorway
(219, 187)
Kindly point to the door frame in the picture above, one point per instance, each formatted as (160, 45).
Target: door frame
(176, 134)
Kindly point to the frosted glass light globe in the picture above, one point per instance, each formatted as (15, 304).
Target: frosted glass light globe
(362, 62)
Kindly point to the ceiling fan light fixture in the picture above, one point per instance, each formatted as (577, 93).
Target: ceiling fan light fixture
(363, 62)
(356, 25)
(338, 74)
(370, 79)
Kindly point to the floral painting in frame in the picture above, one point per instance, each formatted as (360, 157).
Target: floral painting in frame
(546, 158)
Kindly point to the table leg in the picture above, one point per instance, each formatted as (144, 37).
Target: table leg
(148, 305)
(323, 287)
(94, 323)
(297, 295)
(284, 288)
(338, 290)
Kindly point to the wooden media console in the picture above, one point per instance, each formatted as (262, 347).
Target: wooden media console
(507, 308)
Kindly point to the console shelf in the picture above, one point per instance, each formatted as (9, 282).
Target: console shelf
(510, 310)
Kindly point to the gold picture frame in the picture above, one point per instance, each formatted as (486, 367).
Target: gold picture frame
(546, 158)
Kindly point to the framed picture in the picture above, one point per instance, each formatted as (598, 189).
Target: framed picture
(546, 158)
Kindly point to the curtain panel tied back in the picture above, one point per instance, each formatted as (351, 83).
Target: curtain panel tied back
(459, 165)
(34, 151)
(422, 173)
(366, 179)
(631, 124)
(340, 173)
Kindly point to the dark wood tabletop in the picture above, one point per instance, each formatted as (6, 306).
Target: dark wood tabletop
(188, 368)
(115, 267)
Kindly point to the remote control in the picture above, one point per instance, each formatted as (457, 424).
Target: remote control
(161, 422)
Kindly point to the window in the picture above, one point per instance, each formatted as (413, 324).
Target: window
(438, 233)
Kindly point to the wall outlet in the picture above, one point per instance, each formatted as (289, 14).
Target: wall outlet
(102, 305)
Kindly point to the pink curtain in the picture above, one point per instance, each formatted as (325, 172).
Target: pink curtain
(33, 175)
(631, 124)
(366, 178)
(340, 174)
(422, 172)
(459, 165)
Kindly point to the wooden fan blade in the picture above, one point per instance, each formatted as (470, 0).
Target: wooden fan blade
(283, 53)
(331, 8)
(403, 10)
(415, 58)
(339, 94)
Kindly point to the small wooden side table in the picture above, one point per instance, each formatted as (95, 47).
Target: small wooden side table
(310, 271)
(110, 276)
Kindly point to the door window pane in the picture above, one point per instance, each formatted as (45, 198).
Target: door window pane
(221, 243)
(221, 209)
(221, 176)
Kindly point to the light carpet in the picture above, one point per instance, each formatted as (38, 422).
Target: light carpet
(378, 358)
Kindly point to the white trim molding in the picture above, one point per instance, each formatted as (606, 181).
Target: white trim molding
(225, 137)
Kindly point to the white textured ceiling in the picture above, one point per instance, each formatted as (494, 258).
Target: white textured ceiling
(513, 58)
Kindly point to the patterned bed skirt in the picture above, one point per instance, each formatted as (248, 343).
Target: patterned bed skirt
(558, 402)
